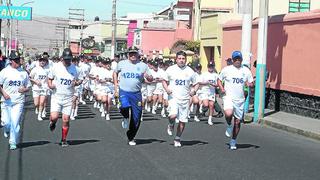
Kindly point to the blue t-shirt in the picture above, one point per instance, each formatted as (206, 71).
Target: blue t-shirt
(131, 75)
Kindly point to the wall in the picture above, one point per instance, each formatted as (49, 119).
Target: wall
(159, 39)
(132, 26)
(292, 57)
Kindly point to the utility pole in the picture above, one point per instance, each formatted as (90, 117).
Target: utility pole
(9, 42)
(246, 10)
(114, 28)
(0, 28)
(260, 87)
(78, 14)
(61, 27)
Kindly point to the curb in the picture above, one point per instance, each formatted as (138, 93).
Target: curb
(264, 122)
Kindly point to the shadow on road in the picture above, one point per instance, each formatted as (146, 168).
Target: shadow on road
(193, 142)
(79, 142)
(30, 144)
(245, 146)
(149, 141)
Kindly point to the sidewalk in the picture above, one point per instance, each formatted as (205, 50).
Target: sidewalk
(290, 122)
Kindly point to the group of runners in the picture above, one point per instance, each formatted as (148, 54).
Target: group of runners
(134, 85)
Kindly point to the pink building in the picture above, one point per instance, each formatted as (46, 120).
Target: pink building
(160, 39)
(292, 52)
(131, 28)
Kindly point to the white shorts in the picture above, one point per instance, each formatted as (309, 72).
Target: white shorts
(37, 93)
(179, 108)
(150, 90)
(158, 91)
(236, 105)
(208, 96)
(165, 95)
(61, 104)
(144, 92)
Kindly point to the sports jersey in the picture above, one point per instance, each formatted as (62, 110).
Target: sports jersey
(180, 80)
(211, 78)
(62, 78)
(85, 68)
(155, 75)
(234, 81)
(40, 74)
(160, 74)
(11, 80)
(131, 75)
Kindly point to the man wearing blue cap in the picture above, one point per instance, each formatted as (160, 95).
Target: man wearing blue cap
(235, 77)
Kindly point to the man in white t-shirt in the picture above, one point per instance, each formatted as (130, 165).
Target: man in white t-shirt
(14, 83)
(178, 82)
(62, 80)
(235, 78)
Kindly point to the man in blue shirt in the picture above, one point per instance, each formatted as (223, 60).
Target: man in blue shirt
(128, 78)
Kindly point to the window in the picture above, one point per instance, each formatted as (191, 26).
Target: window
(299, 6)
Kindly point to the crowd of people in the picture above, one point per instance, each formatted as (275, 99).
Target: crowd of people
(134, 85)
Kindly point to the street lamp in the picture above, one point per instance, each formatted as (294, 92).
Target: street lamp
(17, 27)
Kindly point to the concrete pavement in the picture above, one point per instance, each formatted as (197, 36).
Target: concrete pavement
(292, 123)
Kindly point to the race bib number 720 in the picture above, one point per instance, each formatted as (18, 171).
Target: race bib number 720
(65, 81)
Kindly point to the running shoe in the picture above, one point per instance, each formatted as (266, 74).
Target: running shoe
(163, 112)
(6, 133)
(177, 143)
(39, 117)
(233, 144)
(170, 129)
(124, 123)
(108, 117)
(132, 143)
(103, 114)
(64, 143)
(196, 119)
(52, 126)
(43, 115)
(12, 147)
(228, 132)
(210, 121)
(36, 111)
(153, 111)
(72, 118)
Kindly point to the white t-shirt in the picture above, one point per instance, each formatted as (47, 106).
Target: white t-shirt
(211, 78)
(160, 74)
(106, 74)
(62, 78)
(40, 74)
(11, 80)
(156, 75)
(234, 81)
(114, 65)
(85, 68)
(180, 80)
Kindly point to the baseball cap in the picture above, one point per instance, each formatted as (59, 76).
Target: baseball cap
(211, 64)
(236, 54)
(133, 49)
(67, 54)
(14, 55)
(198, 66)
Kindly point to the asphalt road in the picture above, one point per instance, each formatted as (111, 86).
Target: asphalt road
(98, 150)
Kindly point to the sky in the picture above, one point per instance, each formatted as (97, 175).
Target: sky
(93, 8)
